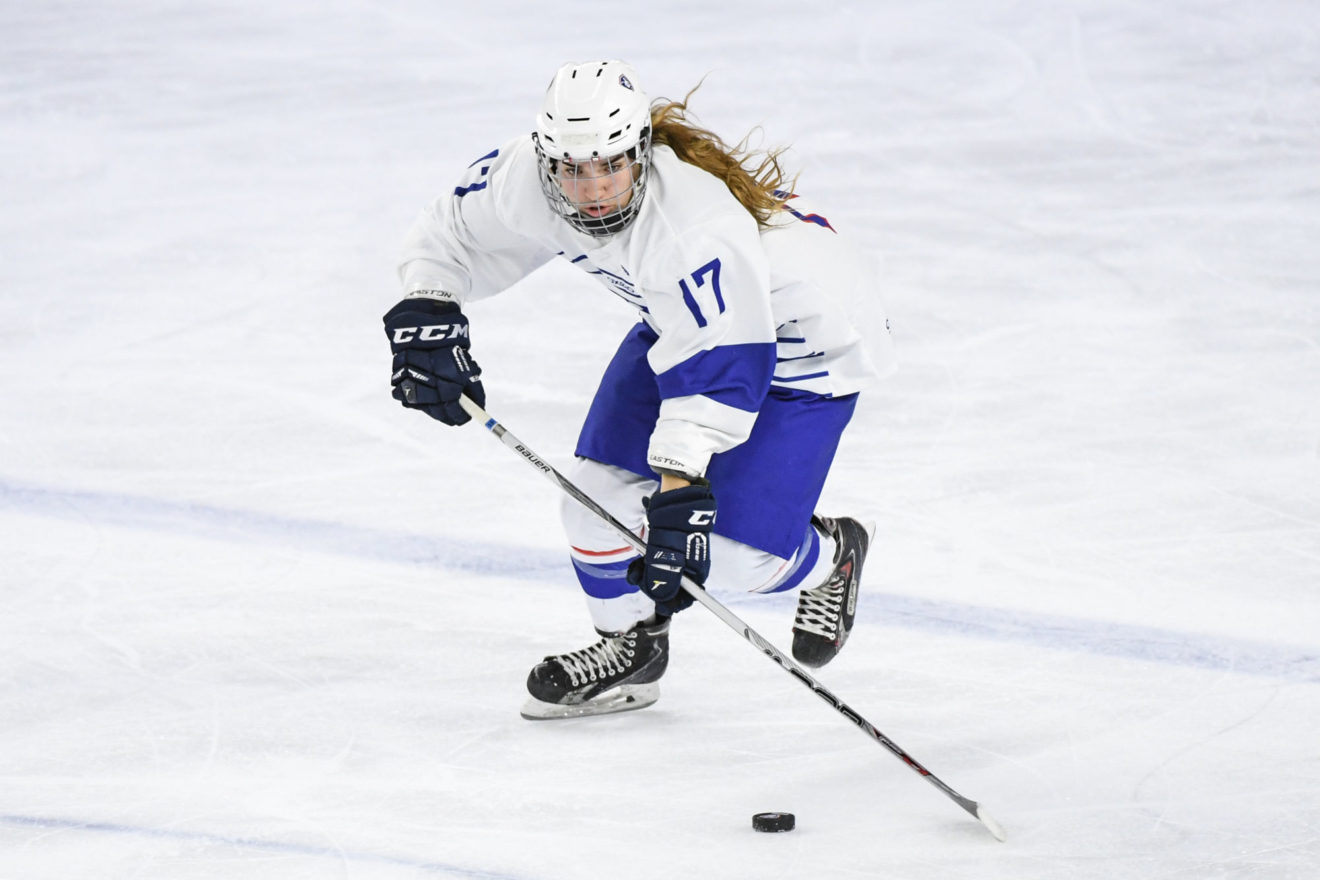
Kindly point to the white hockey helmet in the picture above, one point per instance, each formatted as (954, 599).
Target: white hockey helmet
(594, 113)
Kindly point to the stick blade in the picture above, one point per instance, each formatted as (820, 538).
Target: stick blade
(989, 822)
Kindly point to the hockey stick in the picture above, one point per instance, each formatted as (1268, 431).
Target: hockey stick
(733, 621)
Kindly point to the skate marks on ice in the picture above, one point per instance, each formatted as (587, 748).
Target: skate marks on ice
(48, 824)
(1054, 632)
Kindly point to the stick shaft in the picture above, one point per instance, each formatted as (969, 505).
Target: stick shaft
(732, 620)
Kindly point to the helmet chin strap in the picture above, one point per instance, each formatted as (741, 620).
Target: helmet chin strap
(616, 220)
(609, 224)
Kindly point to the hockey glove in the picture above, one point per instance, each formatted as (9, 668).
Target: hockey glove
(432, 367)
(677, 543)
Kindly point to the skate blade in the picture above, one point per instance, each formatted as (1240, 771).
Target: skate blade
(624, 698)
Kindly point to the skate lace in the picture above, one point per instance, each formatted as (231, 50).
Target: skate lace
(611, 655)
(818, 609)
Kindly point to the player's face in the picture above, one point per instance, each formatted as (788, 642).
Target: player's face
(599, 187)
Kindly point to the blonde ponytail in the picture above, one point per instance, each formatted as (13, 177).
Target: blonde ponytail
(755, 178)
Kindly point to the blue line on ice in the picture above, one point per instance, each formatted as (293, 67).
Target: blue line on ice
(276, 846)
(1074, 634)
(250, 527)
(1054, 632)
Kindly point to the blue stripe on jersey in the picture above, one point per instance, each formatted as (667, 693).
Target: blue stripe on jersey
(460, 191)
(604, 580)
(734, 375)
(801, 378)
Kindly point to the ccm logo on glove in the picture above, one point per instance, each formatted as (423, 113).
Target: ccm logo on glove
(432, 366)
(430, 333)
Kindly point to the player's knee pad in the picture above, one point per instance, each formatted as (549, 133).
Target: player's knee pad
(620, 492)
(600, 554)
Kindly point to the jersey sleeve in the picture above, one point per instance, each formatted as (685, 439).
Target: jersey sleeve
(473, 241)
(708, 299)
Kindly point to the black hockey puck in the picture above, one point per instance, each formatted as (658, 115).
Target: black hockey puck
(774, 821)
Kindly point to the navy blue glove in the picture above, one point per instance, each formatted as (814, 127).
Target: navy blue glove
(432, 367)
(677, 543)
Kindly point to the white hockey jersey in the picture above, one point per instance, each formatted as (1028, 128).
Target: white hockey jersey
(737, 309)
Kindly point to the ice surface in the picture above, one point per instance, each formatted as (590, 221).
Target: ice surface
(261, 623)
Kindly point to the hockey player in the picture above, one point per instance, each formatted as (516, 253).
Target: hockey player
(715, 424)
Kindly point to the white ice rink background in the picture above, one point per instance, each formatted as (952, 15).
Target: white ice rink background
(259, 622)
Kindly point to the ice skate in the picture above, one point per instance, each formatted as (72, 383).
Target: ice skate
(825, 613)
(617, 674)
